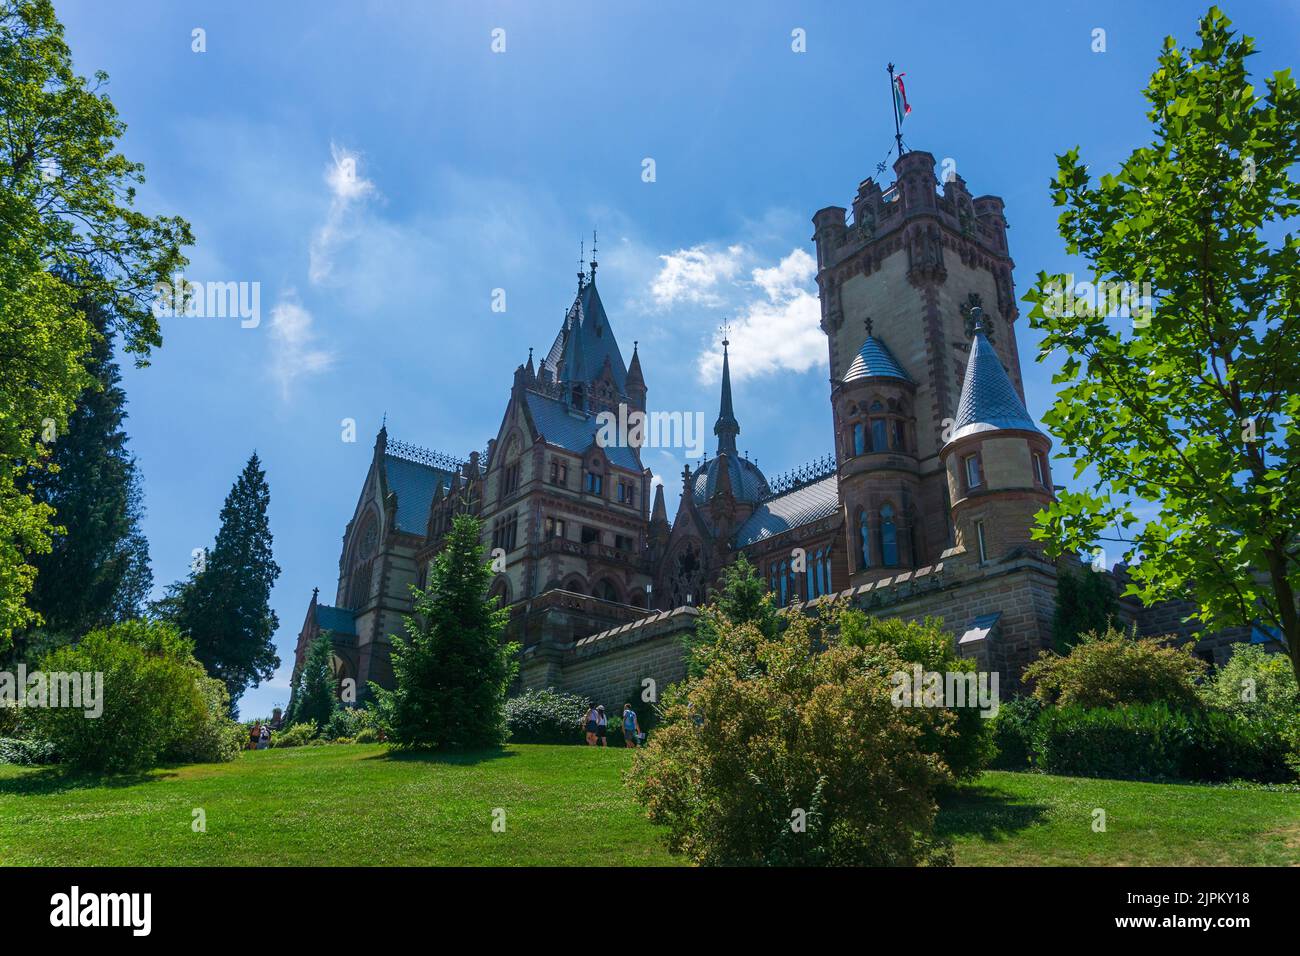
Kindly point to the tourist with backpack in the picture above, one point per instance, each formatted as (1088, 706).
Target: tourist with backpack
(631, 728)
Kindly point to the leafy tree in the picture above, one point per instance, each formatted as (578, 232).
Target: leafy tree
(69, 234)
(316, 698)
(741, 598)
(1196, 407)
(97, 572)
(451, 669)
(1084, 603)
(224, 606)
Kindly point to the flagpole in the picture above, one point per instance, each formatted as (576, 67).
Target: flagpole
(893, 105)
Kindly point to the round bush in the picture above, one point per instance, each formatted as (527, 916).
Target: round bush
(546, 717)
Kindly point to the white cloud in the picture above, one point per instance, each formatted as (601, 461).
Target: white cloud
(779, 331)
(293, 339)
(693, 275)
(348, 188)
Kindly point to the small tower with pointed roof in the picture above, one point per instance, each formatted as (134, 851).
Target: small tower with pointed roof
(996, 459)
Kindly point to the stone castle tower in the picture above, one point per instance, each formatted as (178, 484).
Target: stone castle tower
(916, 292)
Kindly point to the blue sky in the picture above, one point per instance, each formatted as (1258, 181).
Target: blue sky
(379, 170)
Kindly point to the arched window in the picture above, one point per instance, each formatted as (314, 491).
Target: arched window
(785, 581)
(864, 535)
(824, 569)
(810, 581)
(888, 537)
(859, 438)
(773, 575)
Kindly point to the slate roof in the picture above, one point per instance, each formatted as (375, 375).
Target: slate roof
(584, 342)
(989, 401)
(337, 619)
(812, 502)
(415, 484)
(875, 359)
(561, 424)
(747, 482)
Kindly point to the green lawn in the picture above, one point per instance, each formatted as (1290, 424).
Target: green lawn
(349, 805)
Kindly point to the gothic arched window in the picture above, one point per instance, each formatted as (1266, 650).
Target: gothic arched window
(824, 569)
(785, 581)
(888, 537)
(864, 537)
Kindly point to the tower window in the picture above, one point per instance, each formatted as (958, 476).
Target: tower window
(888, 538)
(1040, 473)
(974, 474)
(859, 439)
(864, 533)
(979, 540)
(879, 435)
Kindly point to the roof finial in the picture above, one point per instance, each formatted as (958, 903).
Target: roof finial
(582, 252)
(869, 324)
(977, 319)
(593, 254)
(725, 329)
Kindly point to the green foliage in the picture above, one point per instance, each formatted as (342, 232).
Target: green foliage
(26, 753)
(781, 730)
(346, 723)
(742, 598)
(315, 699)
(155, 699)
(1195, 409)
(97, 571)
(1254, 683)
(1155, 742)
(1013, 733)
(546, 717)
(1084, 603)
(225, 607)
(299, 735)
(215, 737)
(960, 735)
(451, 669)
(366, 735)
(1113, 668)
(69, 235)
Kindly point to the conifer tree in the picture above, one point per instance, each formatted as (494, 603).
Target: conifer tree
(97, 572)
(224, 606)
(315, 697)
(451, 669)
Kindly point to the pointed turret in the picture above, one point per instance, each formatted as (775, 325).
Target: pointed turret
(996, 460)
(636, 390)
(989, 402)
(659, 514)
(726, 427)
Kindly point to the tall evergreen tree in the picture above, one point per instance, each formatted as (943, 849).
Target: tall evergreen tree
(451, 669)
(315, 697)
(97, 571)
(224, 606)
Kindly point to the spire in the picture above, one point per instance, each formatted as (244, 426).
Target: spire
(659, 515)
(593, 255)
(635, 380)
(989, 402)
(582, 252)
(726, 427)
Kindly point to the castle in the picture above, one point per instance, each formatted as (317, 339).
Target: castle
(923, 507)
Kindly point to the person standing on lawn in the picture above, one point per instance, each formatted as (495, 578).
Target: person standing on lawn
(631, 729)
(600, 725)
(592, 721)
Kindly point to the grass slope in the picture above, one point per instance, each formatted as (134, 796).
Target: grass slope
(353, 805)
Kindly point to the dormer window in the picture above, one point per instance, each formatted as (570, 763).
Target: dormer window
(595, 483)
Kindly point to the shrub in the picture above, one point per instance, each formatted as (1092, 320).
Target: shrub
(1254, 683)
(153, 698)
(214, 737)
(960, 735)
(546, 717)
(26, 753)
(1154, 742)
(299, 735)
(345, 722)
(367, 735)
(1013, 730)
(1112, 668)
(779, 755)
